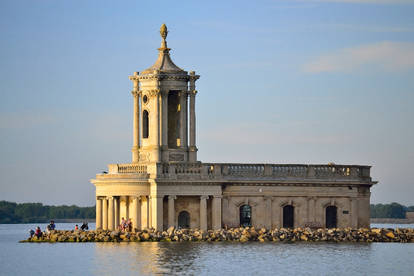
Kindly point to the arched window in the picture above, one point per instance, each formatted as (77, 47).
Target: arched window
(288, 216)
(145, 124)
(245, 215)
(184, 219)
(331, 219)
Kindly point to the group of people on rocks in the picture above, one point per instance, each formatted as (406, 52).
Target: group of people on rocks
(51, 226)
(126, 225)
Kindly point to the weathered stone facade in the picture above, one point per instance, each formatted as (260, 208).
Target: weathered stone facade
(166, 186)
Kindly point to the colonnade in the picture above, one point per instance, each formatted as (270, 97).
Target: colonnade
(147, 211)
(108, 211)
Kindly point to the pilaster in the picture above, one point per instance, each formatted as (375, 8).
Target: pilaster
(171, 210)
(216, 212)
(203, 212)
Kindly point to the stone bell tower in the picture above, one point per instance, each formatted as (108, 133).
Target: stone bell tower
(164, 102)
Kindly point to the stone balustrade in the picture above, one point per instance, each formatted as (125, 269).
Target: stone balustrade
(262, 171)
(127, 168)
(229, 171)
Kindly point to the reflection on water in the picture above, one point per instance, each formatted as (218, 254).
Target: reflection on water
(193, 258)
(147, 257)
(253, 258)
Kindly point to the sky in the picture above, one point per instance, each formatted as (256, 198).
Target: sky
(312, 81)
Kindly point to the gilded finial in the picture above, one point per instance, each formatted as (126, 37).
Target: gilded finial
(163, 31)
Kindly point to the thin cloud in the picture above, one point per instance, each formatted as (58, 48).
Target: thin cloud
(387, 56)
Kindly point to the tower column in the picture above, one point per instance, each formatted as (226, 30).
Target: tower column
(155, 125)
(183, 119)
(216, 212)
(203, 212)
(193, 149)
(98, 213)
(171, 210)
(111, 213)
(105, 214)
(135, 147)
(164, 125)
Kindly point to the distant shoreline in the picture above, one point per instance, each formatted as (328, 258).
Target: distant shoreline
(75, 220)
(392, 220)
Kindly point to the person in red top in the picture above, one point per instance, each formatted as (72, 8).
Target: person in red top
(76, 227)
(38, 232)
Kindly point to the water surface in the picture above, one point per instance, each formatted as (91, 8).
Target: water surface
(199, 258)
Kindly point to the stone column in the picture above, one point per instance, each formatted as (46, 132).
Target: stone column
(183, 121)
(216, 212)
(116, 212)
(144, 212)
(164, 125)
(268, 212)
(111, 213)
(171, 210)
(193, 148)
(98, 213)
(136, 213)
(135, 135)
(185, 143)
(156, 127)
(105, 214)
(203, 212)
(157, 212)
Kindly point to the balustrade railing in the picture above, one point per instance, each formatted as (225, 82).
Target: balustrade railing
(239, 171)
(270, 171)
(128, 168)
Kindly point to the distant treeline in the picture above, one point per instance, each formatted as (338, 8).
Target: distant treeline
(11, 212)
(392, 210)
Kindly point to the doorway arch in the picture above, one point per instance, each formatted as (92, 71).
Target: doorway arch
(288, 216)
(331, 217)
(184, 219)
(245, 215)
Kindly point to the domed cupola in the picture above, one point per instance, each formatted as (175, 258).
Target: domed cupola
(164, 64)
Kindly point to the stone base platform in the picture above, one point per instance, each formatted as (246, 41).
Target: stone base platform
(404, 235)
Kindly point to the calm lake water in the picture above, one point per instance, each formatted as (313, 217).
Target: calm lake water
(220, 258)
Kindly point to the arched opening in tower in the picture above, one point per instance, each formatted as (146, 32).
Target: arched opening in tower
(174, 110)
(145, 124)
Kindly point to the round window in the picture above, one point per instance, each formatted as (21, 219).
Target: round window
(145, 99)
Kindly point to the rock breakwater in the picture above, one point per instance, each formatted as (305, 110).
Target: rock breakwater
(233, 234)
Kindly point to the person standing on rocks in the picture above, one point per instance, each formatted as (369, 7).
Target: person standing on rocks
(38, 232)
(123, 224)
(50, 226)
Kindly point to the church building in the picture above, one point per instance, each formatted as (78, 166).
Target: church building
(165, 184)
